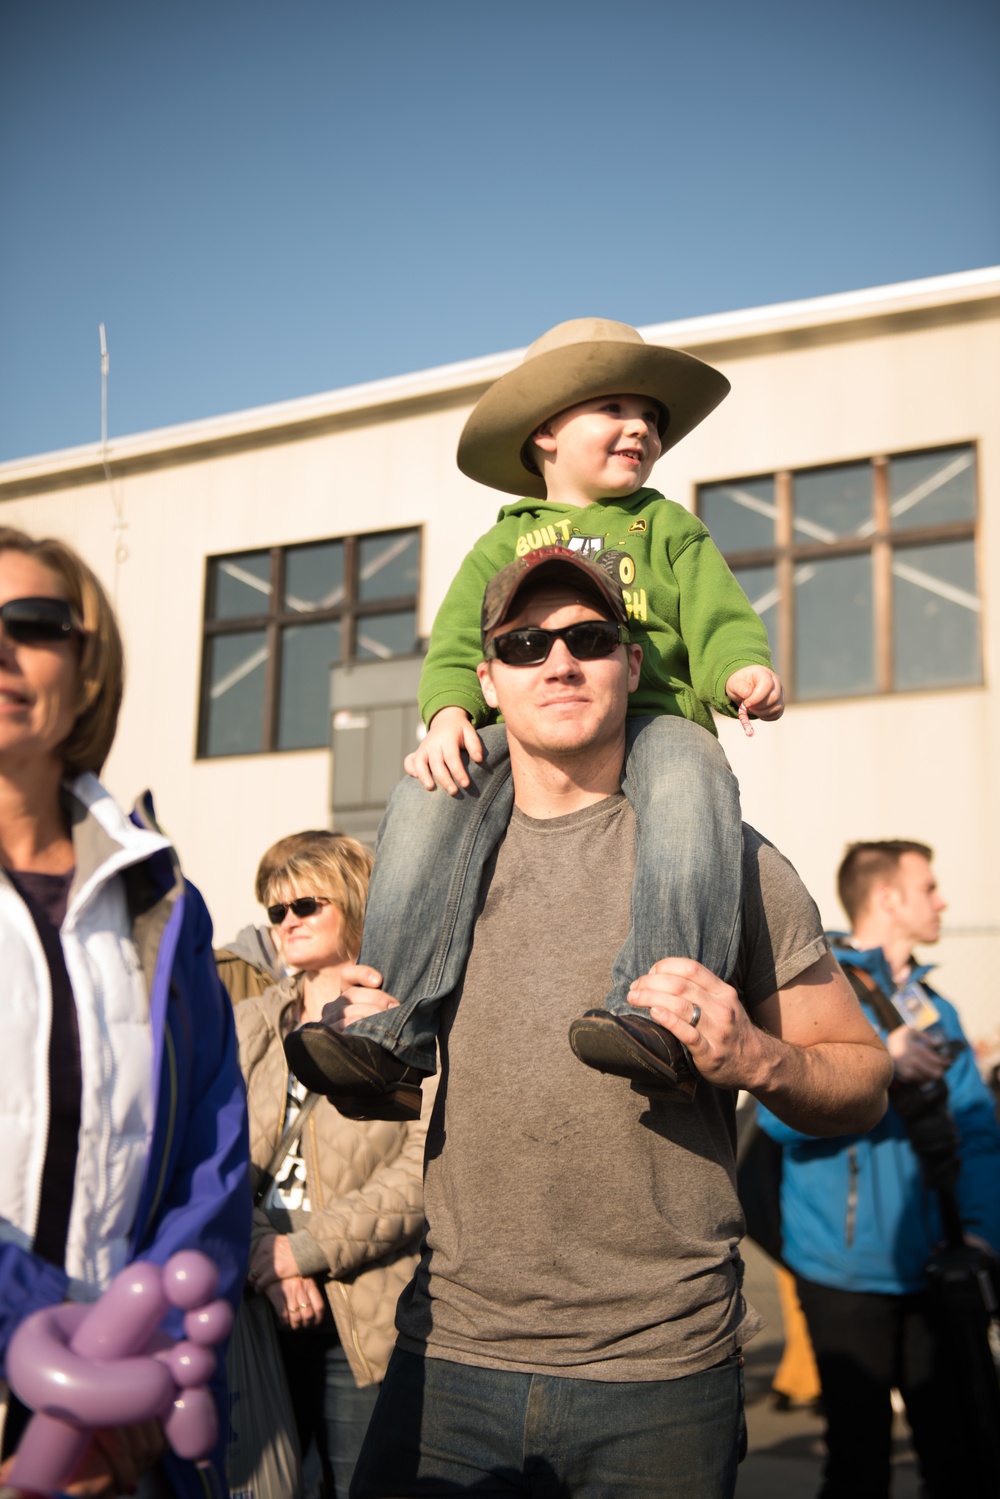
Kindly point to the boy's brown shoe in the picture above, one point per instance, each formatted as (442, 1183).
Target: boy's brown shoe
(360, 1078)
(632, 1046)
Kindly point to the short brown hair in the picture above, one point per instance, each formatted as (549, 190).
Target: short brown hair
(272, 858)
(866, 865)
(102, 658)
(333, 865)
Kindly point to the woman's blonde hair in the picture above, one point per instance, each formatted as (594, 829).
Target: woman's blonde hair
(279, 853)
(332, 865)
(102, 658)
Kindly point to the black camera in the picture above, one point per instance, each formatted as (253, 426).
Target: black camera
(923, 1107)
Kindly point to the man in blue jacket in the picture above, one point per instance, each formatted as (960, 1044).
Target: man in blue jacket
(858, 1222)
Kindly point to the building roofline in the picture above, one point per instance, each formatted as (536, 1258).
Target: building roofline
(778, 319)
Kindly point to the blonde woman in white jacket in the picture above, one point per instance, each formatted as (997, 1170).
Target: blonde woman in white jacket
(121, 1105)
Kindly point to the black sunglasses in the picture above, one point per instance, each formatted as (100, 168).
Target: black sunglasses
(38, 621)
(587, 641)
(303, 905)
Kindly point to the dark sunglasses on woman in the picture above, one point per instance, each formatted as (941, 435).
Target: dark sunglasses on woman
(587, 641)
(303, 905)
(38, 621)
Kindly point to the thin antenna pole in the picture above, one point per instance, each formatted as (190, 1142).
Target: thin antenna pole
(105, 366)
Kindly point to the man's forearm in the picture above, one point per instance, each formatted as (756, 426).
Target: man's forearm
(831, 1088)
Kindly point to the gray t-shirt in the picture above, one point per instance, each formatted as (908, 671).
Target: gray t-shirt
(575, 1225)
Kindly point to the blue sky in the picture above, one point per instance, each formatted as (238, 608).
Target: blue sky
(266, 200)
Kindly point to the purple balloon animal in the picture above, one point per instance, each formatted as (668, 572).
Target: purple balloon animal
(109, 1364)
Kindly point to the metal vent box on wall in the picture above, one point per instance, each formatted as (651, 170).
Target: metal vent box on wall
(375, 723)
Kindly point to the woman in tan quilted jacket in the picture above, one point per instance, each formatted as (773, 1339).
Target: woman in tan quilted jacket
(337, 1235)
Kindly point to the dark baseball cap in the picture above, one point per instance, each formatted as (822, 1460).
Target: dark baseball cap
(559, 564)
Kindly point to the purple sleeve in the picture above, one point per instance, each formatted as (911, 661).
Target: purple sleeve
(27, 1283)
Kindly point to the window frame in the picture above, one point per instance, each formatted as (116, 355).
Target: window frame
(786, 554)
(275, 618)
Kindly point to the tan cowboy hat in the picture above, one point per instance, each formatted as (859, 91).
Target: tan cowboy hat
(574, 362)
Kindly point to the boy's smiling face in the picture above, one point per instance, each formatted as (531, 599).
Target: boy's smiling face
(602, 449)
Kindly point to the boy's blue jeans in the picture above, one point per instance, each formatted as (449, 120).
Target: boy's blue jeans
(432, 849)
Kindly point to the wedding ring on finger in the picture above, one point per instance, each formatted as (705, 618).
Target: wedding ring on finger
(695, 1016)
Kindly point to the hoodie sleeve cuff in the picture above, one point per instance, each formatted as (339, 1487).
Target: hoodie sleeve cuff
(472, 703)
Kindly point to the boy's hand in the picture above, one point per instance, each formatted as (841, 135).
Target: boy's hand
(758, 692)
(439, 757)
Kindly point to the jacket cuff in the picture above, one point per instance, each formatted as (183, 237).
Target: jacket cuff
(308, 1253)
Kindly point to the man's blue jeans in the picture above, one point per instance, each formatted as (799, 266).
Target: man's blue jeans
(432, 850)
(441, 1428)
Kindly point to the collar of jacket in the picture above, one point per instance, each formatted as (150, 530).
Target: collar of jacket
(152, 887)
(627, 502)
(106, 842)
(872, 960)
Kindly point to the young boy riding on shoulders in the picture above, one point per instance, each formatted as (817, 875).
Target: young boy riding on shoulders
(575, 430)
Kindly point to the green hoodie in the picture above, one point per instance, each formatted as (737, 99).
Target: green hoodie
(686, 609)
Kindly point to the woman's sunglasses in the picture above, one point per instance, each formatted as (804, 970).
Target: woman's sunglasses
(303, 905)
(38, 621)
(587, 641)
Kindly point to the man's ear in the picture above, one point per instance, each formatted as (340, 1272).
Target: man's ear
(885, 898)
(486, 686)
(634, 664)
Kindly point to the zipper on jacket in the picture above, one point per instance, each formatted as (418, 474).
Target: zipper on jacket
(354, 1330)
(852, 1194)
(170, 1054)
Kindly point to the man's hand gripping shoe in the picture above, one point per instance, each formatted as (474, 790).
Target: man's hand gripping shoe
(632, 1046)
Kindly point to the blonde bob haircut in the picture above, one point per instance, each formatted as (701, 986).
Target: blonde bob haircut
(278, 854)
(334, 866)
(102, 659)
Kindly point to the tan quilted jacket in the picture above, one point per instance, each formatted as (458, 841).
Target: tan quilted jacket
(365, 1185)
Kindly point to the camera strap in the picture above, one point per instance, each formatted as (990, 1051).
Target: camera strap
(923, 1108)
(870, 993)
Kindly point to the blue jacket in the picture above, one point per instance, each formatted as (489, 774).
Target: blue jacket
(855, 1212)
(195, 1192)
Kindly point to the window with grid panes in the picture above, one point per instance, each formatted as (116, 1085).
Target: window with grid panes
(277, 620)
(864, 573)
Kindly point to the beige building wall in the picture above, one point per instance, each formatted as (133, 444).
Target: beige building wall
(838, 378)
